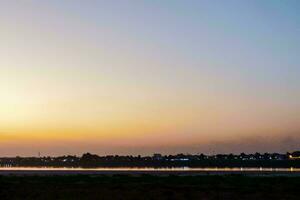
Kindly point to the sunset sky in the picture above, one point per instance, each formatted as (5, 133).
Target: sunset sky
(139, 77)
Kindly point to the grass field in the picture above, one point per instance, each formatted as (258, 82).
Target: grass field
(148, 187)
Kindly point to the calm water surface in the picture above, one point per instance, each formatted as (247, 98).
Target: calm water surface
(210, 169)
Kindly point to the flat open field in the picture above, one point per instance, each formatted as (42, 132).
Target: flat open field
(149, 187)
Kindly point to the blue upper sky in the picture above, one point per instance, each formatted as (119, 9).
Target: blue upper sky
(155, 75)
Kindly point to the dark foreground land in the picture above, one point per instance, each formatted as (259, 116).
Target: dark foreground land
(149, 187)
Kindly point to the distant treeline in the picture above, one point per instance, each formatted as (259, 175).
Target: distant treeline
(89, 160)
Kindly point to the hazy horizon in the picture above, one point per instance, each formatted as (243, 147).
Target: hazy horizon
(139, 77)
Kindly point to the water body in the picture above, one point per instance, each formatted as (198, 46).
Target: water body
(208, 169)
(152, 171)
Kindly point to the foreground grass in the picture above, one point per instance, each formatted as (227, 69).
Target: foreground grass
(148, 187)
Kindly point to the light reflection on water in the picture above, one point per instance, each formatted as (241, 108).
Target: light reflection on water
(208, 169)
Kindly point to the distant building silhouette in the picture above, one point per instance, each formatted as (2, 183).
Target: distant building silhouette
(157, 156)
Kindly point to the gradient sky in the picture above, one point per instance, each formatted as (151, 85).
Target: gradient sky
(138, 77)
